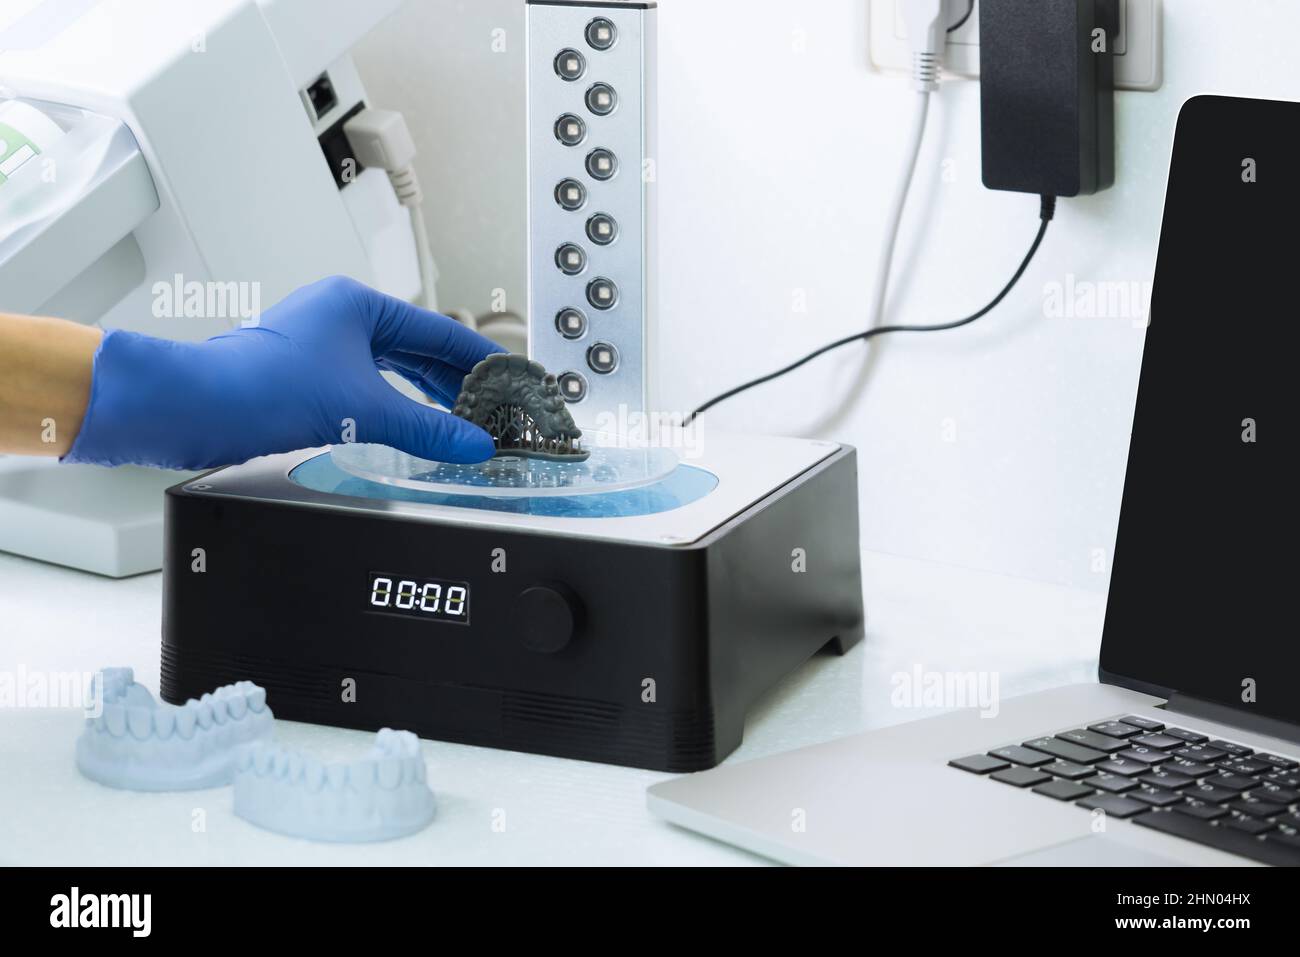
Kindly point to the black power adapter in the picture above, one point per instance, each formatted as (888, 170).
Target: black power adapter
(1047, 102)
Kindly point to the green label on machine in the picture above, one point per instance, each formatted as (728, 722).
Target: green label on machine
(15, 150)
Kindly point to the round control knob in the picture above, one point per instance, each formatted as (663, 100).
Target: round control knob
(547, 616)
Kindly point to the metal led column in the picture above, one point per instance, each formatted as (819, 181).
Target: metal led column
(590, 212)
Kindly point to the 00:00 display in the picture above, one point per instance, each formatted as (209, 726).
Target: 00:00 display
(434, 598)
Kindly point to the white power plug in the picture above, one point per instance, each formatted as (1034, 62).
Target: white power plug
(381, 138)
(927, 34)
(1138, 48)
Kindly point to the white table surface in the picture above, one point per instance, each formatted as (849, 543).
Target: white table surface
(942, 618)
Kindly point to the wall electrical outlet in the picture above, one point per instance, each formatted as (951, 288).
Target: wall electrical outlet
(1138, 49)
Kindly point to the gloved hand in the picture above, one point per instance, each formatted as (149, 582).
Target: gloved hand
(308, 375)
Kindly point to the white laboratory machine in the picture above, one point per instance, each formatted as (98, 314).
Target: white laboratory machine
(171, 168)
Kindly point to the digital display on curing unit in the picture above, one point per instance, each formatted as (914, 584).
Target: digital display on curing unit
(415, 596)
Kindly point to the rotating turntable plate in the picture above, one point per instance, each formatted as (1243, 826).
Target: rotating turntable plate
(610, 468)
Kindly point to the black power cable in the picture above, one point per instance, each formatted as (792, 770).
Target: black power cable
(1046, 211)
(958, 25)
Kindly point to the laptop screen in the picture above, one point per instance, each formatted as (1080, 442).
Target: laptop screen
(1203, 593)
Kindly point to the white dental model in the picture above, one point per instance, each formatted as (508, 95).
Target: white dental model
(382, 796)
(140, 744)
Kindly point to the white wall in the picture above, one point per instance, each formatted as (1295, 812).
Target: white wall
(776, 168)
(437, 62)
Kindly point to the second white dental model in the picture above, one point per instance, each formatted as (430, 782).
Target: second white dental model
(381, 796)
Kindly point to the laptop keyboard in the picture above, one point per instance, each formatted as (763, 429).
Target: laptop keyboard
(1174, 780)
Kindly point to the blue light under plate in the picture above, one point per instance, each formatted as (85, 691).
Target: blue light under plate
(683, 485)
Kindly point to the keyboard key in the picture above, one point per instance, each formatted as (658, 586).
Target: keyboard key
(1156, 797)
(1115, 729)
(1067, 770)
(1233, 782)
(1200, 752)
(1199, 809)
(1120, 766)
(1193, 769)
(1242, 765)
(1251, 825)
(1273, 792)
(1193, 737)
(1145, 755)
(1221, 838)
(1066, 751)
(1018, 755)
(1282, 764)
(979, 764)
(1063, 790)
(1091, 739)
(1255, 807)
(1162, 777)
(1236, 750)
(1289, 841)
(1210, 793)
(1111, 783)
(1146, 724)
(1113, 805)
(1020, 777)
(1162, 742)
(1286, 779)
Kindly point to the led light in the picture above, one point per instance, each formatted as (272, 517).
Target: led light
(601, 34)
(571, 194)
(602, 229)
(602, 164)
(573, 387)
(570, 64)
(603, 358)
(601, 99)
(602, 293)
(570, 130)
(571, 259)
(571, 323)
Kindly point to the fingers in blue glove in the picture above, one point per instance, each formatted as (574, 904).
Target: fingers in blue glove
(429, 434)
(433, 377)
(402, 327)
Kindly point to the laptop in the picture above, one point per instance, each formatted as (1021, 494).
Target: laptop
(1185, 751)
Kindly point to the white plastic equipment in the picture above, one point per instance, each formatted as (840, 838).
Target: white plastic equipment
(171, 143)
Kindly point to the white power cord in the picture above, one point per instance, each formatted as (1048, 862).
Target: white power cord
(927, 34)
(381, 138)
(924, 23)
(424, 256)
(895, 217)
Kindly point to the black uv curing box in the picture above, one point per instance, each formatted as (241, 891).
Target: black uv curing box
(634, 627)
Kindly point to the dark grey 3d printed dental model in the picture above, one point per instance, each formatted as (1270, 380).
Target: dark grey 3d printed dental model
(519, 404)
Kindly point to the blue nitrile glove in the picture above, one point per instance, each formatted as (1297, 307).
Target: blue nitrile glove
(308, 375)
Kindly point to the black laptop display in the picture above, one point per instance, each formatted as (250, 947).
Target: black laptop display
(1203, 592)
